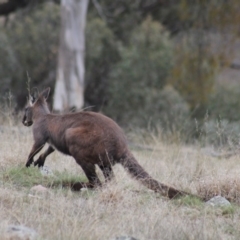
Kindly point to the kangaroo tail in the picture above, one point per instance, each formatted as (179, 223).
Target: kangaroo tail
(137, 171)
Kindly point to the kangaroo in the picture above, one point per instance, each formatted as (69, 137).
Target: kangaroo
(91, 139)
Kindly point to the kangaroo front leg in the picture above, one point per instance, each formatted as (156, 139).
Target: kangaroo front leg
(41, 160)
(35, 149)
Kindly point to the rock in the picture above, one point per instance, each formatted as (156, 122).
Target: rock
(39, 189)
(45, 171)
(218, 201)
(19, 232)
(124, 238)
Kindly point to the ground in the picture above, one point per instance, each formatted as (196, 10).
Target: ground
(122, 207)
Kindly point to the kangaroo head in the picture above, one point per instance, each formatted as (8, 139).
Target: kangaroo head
(36, 106)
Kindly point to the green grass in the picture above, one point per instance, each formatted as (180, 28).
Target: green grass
(189, 201)
(229, 210)
(20, 176)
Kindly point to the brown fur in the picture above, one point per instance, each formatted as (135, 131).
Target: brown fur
(91, 139)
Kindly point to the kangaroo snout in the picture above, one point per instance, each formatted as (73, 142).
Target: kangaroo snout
(27, 123)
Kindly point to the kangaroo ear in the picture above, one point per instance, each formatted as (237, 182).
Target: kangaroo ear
(45, 93)
(33, 95)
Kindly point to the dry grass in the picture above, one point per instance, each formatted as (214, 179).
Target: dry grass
(122, 207)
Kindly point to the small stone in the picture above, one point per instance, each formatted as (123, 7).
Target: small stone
(218, 201)
(21, 232)
(39, 189)
(124, 238)
(45, 171)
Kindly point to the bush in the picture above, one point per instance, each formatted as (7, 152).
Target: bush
(165, 109)
(224, 103)
(168, 110)
(101, 54)
(221, 133)
(29, 43)
(222, 126)
(137, 79)
(194, 71)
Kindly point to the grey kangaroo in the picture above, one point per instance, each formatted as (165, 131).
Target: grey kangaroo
(90, 138)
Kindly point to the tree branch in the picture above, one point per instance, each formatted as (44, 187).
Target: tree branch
(12, 5)
(152, 6)
(99, 9)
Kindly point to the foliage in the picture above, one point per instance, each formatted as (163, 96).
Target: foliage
(220, 133)
(199, 55)
(121, 16)
(216, 14)
(29, 43)
(133, 49)
(189, 201)
(169, 110)
(194, 71)
(137, 79)
(101, 54)
(184, 15)
(224, 102)
(221, 125)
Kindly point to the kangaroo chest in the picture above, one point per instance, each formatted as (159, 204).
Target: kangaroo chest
(59, 145)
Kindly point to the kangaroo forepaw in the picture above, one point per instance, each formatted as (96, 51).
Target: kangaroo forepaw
(39, 162)
(28, 164)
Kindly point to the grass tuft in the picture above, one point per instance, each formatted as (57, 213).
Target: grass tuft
(228, 210)
(226, 186)
(189, 201)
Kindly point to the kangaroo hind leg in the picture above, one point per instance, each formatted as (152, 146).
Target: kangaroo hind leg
(90, 172)
(107, 172)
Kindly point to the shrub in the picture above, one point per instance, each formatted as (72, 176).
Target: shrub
(194, 71)
(224, 103)
(29, 43)
(221, 133)
(101, 54)
(137, 79)
(169, 110)
(221, 127)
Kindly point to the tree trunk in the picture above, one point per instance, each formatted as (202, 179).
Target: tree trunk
(69, 88)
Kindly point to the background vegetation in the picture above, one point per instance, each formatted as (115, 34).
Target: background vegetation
(169, 71)
(148, 64)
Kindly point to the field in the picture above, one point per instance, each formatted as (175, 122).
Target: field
(122, 207)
